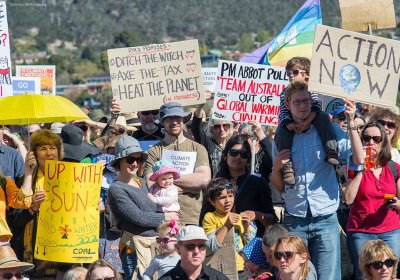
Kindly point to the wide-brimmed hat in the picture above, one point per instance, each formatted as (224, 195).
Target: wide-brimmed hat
(174, 109)
(161, 167)
(132, 119)
(97, 115)
(125, 146)
(253, 252)
(191, 232)
(8, 259)
(75, 148)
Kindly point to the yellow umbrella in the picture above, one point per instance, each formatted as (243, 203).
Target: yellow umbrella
(27, 109)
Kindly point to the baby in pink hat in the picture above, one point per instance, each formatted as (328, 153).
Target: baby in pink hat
(163, 192)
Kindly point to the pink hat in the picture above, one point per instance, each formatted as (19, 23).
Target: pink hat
(162, 167)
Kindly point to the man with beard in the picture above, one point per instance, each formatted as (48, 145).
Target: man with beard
(148, 129)
(191, 182)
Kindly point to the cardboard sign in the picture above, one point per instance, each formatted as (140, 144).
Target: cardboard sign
(68, 223)
(182, 161)
(5, 56)
(46, 73)
(22, 85)
(209, 78)
(353, 65)
(146, 77)
(357, 15)
(248, 92)
(224, 259)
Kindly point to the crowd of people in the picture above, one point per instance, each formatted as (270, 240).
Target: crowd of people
(316, 169)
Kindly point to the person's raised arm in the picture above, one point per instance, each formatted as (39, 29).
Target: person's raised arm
(115, 109)
(355, 140)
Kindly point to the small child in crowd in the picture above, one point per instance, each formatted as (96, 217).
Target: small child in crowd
(256, 266)
(298, 69)
(163, 192)
(169, 257)
(221, 194)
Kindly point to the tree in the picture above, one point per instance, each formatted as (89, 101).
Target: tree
(245, 43)
(263, 36)
(127, 38)
(88, 54)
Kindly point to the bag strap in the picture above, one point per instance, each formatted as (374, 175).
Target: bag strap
(393, 168)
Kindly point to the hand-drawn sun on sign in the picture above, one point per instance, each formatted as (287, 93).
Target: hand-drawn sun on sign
(64, 231)
(349, 77)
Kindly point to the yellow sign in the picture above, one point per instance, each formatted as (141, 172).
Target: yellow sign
(68, 222)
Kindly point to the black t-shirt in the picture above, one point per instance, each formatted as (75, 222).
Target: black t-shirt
(140, 135)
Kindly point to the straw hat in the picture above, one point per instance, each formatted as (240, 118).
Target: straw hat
(8, 259)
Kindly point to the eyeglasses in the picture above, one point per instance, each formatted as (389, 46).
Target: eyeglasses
(146, 113)
(225, 126)
(139, 160)
(287, 255)
(9, 275)
(235, 153)
(164, 240)
(367, 138)
(389, 124)
(378, 265)
(341, 117)
(295, 72)
(299, 102)
(191, 247)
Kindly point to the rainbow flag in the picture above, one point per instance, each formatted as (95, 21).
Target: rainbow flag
(295, 39)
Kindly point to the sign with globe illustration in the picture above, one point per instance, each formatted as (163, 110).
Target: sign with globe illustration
(352, 65)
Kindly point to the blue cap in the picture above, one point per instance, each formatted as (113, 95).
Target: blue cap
(253, 252)
(338, 110)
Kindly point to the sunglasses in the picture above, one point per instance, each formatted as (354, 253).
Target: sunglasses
(235, 153)
(378, 265)
(367, 138)
(390, 125)
(295, 72)
(225, 126)
(153, 112)
(139, 160)
(287, 255)
(191, 247)
(164, 240)
(17, 275)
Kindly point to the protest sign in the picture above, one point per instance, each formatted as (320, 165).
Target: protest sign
(146, 77)
(248, 92)
(182, 161)
(46, 73)
(224, 259)
(353, 65)
(22, 85)
(68, 222)
(209, 78)
(360, 15)
(5, 56)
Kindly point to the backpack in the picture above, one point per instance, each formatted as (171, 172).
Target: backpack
(392, 166)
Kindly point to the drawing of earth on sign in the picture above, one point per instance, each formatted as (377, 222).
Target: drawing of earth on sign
(349, 77)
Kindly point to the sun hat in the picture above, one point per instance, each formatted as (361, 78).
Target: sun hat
(97, 115)
(8, 259)
(253, 252)
(56, 127)
(125, 146)
(132, 119)
(174, 109)
(191, 232)
(161, 167)
(106, 141)
(75, 149)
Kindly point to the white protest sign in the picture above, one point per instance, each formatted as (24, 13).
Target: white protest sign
(182, 161)
(248, 92)
(22, 85)
(146, 77)
(46, 73)
(209, 78)
(5, 56)
(353, 65)
(359, 15)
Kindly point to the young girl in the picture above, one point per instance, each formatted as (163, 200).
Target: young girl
(169, 256)
(164, 193)
(254, 260)
(221, 193)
